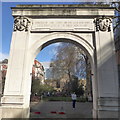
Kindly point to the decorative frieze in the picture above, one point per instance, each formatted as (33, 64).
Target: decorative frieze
(21, 23)
(103, 24)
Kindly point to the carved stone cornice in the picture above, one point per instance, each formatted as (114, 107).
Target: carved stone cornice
(103, 23)
(21, 23)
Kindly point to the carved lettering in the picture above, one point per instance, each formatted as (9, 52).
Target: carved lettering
(62, 24)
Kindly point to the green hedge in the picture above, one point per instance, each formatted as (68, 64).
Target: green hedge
(80, 99)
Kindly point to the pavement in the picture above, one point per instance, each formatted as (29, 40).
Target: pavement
(61, 109)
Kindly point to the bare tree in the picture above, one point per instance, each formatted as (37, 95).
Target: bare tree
(69, 61)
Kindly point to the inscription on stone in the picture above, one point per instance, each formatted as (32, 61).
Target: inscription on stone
(62, 24)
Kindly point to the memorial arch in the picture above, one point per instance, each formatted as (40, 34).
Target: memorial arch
(36, 26)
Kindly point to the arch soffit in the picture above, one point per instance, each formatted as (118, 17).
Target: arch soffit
(86, 46)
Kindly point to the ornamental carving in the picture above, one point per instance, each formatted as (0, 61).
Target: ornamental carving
(21, 23)
(103, 24)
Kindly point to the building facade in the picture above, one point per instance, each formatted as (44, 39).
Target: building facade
(38, 71)
(117, 42)
(3, 71)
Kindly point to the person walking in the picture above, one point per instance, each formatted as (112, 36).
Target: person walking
(74, 98)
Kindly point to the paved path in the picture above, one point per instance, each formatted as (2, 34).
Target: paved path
(44, 109)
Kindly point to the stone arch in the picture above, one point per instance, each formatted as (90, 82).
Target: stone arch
(77, 40)
(57, 37)
(15, 101)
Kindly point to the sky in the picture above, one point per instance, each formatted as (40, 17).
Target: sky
(7, 27)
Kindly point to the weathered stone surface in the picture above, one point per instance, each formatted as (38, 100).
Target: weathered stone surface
(69, 23)
(62, 25)
(63, 10)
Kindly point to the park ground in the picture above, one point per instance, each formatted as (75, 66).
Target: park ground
(60, 109)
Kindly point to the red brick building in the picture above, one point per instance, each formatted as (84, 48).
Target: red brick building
(38, 71)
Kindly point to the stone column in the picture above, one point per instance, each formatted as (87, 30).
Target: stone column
(107, 74)
(15, 102)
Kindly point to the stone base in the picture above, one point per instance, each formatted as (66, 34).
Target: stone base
(15, 112)
(108, 114)
(108, 107)
(95, 113)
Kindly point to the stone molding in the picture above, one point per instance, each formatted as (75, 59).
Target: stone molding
(103, 24)
(108, 101)
(21, 23)
(16, 99)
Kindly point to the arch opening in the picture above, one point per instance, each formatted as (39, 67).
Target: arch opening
(66, 40)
